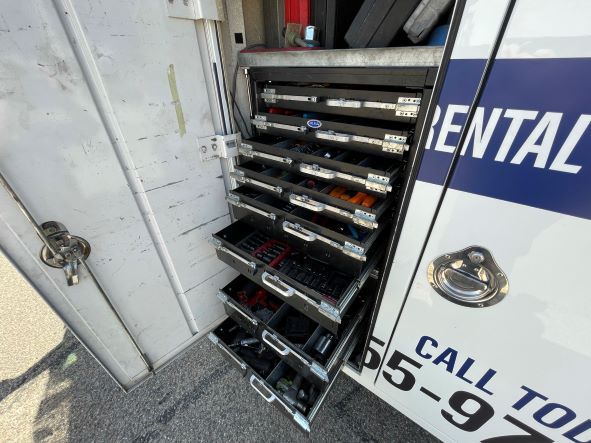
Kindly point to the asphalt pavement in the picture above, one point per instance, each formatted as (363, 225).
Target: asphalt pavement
(51, 389)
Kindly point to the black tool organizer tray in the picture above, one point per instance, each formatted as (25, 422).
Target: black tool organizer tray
(316, 202)
(345, 245)
(321, 291)
(305, 345)
(315, 195)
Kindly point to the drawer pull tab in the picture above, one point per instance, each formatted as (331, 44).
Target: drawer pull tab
(281, 351)
(217, 244)
(334, 136)
(298, 231)
(305, 202)
(343, 103)
(276, 284)
(270, 398)
(317, 171)
(267, 337)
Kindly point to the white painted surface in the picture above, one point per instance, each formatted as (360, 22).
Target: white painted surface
(95, 143)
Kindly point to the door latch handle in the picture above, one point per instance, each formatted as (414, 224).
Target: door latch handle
(470, 277)
(68, 250)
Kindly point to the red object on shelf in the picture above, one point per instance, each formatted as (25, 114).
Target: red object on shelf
(297, 11)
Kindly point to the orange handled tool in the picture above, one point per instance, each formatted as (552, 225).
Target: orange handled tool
(358, 198)
(369, 201)
(337, 191)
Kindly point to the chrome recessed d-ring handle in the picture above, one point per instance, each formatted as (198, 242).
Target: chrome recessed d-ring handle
(470, 277)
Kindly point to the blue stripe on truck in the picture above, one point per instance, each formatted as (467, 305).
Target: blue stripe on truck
(530, 140)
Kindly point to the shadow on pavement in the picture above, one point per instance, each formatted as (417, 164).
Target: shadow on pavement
(197, 398)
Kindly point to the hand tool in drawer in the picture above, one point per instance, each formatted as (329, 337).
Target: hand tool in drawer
(250, 349)
(303, 269)
(272, 252)
(297, 392)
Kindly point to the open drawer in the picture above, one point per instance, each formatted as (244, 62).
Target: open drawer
(276, 381)
(365, 103)
(322, 292)
(302, 343)
(343, 244)
(346, 133)
(312, 194)
(348, 168)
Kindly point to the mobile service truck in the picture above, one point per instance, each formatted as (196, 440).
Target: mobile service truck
(415, 217)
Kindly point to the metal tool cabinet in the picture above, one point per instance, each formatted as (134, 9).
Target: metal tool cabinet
(319, 185)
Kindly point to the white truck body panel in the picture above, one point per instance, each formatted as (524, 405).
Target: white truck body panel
(527, 206)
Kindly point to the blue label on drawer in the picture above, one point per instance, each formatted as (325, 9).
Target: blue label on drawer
(314, 124)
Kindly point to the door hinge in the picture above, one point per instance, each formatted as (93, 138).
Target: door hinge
(219, 146)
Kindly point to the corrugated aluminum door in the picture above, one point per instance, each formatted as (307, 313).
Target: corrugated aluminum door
(101, 107)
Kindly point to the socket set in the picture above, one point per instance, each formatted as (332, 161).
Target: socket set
(270, 251)
(315, 275)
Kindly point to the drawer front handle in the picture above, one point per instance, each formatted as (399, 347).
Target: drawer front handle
(307, 203)
(298, 231)
(343, 103)
(317, 171)
(261, 124)
(284, 350)
(276, 284)
(333, 136)
(243, 179)
(255, 383)
(281, 348)
(234, 200)
(238, 310)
